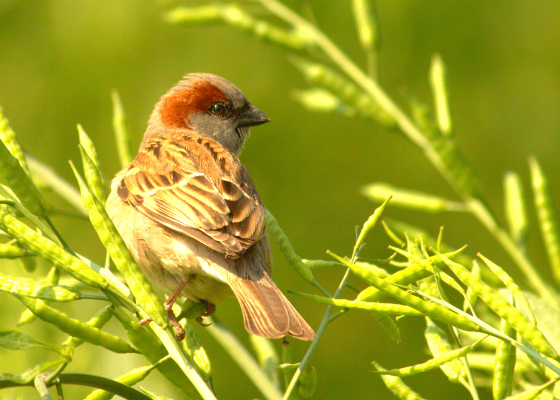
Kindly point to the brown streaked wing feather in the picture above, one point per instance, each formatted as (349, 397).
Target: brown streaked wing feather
(210, 198)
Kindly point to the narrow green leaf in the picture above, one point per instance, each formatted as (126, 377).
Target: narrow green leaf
(15, 340)
(28, 375)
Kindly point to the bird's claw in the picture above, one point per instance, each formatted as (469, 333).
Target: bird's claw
(199, 320)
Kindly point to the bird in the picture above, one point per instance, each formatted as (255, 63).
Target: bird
(189, 212)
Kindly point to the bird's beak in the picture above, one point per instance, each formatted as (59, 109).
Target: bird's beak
(252, 116)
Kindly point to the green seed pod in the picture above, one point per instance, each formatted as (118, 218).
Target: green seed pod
(316, 264)
(129, 379)
(432, 310)
(192, 347)
(184, 15)
(235, 16)
(369, 224)
(411, 199)
(38, 290)
(365, 15)
(439, 346)
(471, 297)
(287, 249)
(322, 101)
(12, 252)
(403, 277)
(75, 327)
(8, 136)
(97, 321)
(548, 220)
(514, 206)
(125, 263)
(92, 170)
(13, 176)
(504, 364)
(439, 90)
(27, 317)
(380, 272)
(436, 362)
(122, 131)
(384, 308)
(93, 177)
(501, 307)
(321, 75)
(51, 252)
(397, 386)
(307, 381)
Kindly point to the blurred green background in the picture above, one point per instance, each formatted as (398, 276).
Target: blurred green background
(60, 59)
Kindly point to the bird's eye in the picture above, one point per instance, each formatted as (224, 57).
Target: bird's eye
(218, 108)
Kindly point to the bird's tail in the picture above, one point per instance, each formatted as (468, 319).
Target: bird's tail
(266, 311)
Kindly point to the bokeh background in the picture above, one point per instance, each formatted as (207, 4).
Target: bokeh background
(60, 59)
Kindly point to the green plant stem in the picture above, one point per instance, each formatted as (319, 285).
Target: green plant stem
(322, 327)
(242, 357)
(477, 208)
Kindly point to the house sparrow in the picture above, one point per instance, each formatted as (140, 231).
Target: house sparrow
(189, 212)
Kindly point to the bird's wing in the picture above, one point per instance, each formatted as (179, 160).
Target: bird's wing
(196, 187)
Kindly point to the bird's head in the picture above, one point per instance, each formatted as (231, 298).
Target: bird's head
(208, 105)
